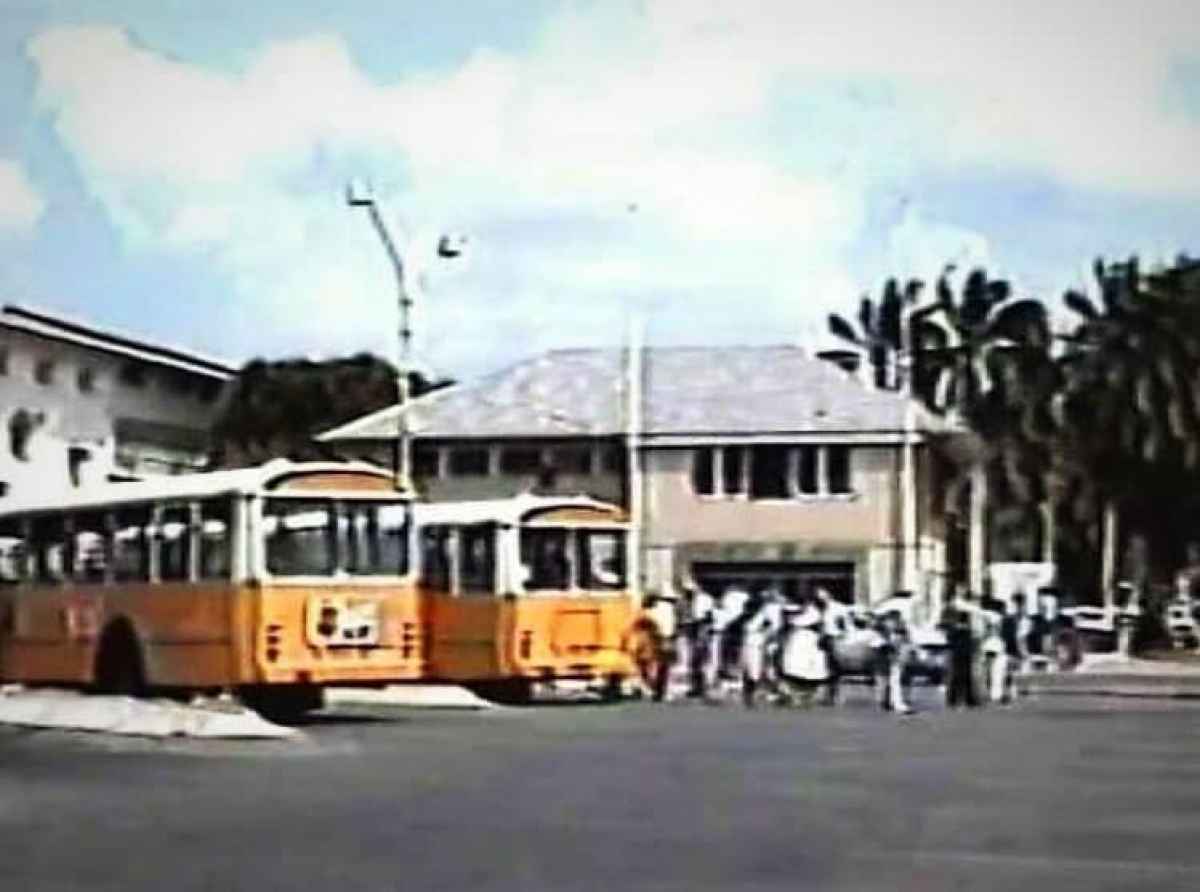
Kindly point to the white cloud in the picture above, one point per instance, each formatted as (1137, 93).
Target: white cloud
(920, 248)
(21, 205)
(667, 109)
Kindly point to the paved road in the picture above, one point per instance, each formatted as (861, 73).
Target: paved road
(1067, 795)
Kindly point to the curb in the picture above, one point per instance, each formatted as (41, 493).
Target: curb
(409, 697)
(1105, 685)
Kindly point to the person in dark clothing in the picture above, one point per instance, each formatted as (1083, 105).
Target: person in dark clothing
(960, 640)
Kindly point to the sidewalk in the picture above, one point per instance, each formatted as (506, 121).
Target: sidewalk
(1115, 676)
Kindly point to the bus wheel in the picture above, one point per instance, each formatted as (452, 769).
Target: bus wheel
(613, 688)
(120, 668)
(507, 692)
(283, 704)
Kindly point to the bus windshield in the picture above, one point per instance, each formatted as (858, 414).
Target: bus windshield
(325, 537)
(560, 558)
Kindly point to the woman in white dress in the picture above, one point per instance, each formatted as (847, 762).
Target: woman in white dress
(804, 664)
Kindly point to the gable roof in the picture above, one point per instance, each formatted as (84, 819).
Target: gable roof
(59, 328)
(688, 392)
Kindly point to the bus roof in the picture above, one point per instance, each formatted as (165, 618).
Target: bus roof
(511, 511)
(262, 478)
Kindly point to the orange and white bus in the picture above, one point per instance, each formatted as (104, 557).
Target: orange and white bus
(270, 582)
(525, 589)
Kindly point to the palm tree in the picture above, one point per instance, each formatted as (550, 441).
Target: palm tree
(1131, 403)
(983, 350)
(879, 333)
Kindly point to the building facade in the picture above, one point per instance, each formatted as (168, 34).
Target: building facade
(80, 405)
(757, 466)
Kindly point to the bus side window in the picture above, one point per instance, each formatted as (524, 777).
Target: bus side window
(477, 559)
(216, 547)
(51, 550)
(131, 546)
(435, 558)
(175, 544)
(91, 547)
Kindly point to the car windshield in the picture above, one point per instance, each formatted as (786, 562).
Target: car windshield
(323, 537)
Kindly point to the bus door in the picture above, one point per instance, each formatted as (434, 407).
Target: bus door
(459, 570)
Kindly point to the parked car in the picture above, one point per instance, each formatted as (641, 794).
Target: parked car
(1095, 626)
(858, 652)
(927, 659)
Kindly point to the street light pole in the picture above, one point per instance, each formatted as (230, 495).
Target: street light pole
(909, 568)
(402, 459)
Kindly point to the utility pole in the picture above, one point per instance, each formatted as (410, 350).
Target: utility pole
(358, 196)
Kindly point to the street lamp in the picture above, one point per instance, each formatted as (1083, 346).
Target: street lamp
(449, 246)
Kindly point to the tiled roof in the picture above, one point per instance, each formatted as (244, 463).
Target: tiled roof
(688, 391)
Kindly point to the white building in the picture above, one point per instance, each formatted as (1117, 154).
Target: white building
(80, 405)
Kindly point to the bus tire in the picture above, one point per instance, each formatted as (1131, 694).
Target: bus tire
(120, 666)
(284, 704)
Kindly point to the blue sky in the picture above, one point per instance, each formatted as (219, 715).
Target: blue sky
(732, 171)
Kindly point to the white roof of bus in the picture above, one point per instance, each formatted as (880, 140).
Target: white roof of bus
(507, 512)
(180, 486)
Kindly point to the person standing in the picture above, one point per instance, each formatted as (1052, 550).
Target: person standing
(728, 622)
(699, 632)
(836, 626)
(664, 613)
(1015, 653)
(960, 641)
(992, 644)
(894, 655)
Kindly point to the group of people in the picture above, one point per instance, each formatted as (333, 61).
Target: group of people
(765, 646)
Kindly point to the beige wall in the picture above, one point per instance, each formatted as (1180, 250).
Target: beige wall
(676, 514)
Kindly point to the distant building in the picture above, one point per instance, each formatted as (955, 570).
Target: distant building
(763, 465)
(78, 404)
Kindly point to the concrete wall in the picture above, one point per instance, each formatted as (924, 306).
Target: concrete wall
(73, 415)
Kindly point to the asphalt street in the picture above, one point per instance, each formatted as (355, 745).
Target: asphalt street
(1078, 794)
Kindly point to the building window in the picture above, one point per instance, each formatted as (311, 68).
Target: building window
(426, 464)
(573, 460)
(86, 380)
(520, 460)
(807, 472)
(769, 477)
(469, 461)
(614, 459)
(43, 371)
(837, 470)
(733, 470)
(772, 471)
(133, 374)
(704, 480)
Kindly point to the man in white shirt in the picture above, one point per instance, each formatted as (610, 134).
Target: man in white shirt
(836, 625)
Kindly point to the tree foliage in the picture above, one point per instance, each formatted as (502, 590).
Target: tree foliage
(276, 408)
(1106, 413)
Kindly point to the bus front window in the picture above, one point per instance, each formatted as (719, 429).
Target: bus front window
(373, 538)
(299, 537)
(601, 559)
(546, 557)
